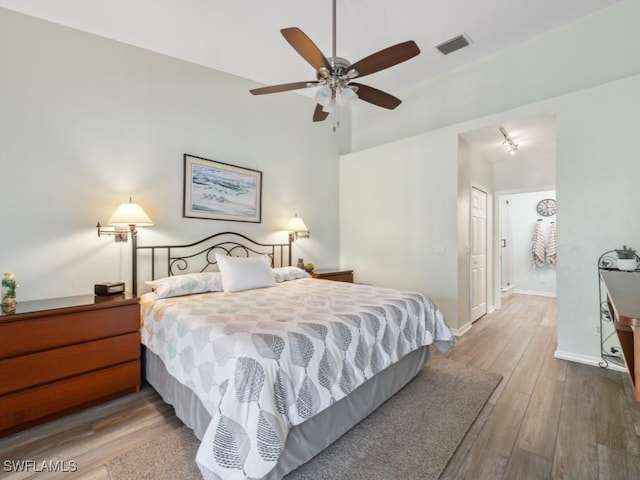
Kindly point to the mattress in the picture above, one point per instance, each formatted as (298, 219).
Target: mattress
(263, 362)
(309, 438)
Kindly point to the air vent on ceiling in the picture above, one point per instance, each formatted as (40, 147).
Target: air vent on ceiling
(456, 43)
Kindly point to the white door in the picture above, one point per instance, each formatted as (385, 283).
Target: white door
(478, 253)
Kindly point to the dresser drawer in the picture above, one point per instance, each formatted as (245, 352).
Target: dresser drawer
(35, 369)
(55, 399)
(38, 334)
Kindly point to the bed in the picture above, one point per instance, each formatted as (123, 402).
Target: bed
(267, 365)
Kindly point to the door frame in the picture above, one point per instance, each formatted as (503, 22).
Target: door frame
(497, 298)
(501, 220)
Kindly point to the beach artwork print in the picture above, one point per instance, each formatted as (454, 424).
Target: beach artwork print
(219, 191)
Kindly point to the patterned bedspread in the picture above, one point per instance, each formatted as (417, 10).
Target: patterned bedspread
(265, 360)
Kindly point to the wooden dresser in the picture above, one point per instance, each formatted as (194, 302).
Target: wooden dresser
(61, 355)
(623, 297)
(334, 274)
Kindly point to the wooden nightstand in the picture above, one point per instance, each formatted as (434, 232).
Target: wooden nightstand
(61, 355)
(334, 274)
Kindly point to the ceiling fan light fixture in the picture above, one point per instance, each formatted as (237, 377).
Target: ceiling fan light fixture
(324, 95)
(351, 74)
(346, 97)
(323, 73)
(329, 107)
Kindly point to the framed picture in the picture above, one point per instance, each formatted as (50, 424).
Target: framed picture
(219, 191)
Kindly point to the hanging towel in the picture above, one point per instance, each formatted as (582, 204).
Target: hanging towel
(550, 249)
(537, 246)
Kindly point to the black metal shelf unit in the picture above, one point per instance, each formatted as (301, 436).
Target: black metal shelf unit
(610, 350)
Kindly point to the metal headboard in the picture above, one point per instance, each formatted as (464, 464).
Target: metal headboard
(168, 260)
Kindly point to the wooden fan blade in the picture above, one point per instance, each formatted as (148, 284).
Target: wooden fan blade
(285, 87)
(376, 97)
(305, 47)
(319, 114)
(385, 58)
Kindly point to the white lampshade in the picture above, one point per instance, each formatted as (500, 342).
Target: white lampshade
(130, 214)
(324, 95)
(346, 97)
(329, 107)
(297, 225)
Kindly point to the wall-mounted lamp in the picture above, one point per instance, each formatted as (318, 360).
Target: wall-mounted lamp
(508, 143)
(125, 219)
(297, 229)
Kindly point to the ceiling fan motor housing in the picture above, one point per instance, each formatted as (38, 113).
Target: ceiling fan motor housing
(338, 76)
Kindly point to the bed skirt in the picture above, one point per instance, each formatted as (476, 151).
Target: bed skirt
(311, 437)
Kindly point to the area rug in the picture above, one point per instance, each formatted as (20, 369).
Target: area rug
(411, 436)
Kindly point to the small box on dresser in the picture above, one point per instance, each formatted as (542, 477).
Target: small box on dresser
(61, 355)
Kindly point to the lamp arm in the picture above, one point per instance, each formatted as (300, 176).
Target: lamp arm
(119, 232)
(134, 260)
(290, 244)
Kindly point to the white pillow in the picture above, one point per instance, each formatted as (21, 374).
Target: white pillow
(186, 284)
(284, 274)
(245, 273)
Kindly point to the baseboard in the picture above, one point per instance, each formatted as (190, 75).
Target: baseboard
(586, 360)
(533, 292)
(458, 332)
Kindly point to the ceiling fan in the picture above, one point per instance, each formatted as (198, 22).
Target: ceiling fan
(334, 75)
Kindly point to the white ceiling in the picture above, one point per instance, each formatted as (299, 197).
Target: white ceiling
(534, 135)
(242, 37)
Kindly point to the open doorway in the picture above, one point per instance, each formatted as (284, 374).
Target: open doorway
(527, 250)
(531, 167)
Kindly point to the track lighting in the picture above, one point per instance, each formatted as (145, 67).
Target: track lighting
(509, 144)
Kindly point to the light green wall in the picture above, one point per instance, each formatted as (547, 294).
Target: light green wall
(598, 199)
(402, 224)
(87, 121)
(398, 222)
(592, 83)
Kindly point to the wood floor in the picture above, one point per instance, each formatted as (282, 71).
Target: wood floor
(548, 418)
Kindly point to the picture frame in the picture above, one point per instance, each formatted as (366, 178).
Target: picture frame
(219, 191)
